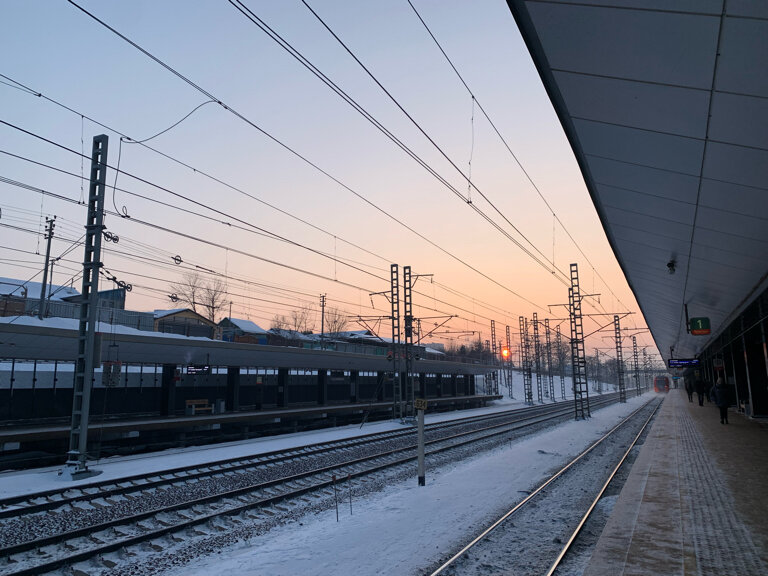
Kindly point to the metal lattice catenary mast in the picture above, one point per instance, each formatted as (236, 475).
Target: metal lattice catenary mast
(526, 347)
(578, 356)
(394, 298)
(619, 360)
(76, 466)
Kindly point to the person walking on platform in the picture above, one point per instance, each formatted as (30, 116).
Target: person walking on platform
(700, 387)
(689, 389)
(722, 399)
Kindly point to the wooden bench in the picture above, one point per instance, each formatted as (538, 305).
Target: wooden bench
(198, 406)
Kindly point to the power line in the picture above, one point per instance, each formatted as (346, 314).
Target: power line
(195, 238)
(158, 227)
(297, 154)
(251, 229)
(34, 189)
(252, 17)
(509, 149)
(553, 269)
(194, 169)
(190, 200)
(155, 262)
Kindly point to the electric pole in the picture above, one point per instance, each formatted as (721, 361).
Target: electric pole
(49, 224)
(322, 321)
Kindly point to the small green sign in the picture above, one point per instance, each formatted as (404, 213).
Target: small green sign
(700, 326)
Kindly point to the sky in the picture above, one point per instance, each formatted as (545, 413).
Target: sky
(402, 517)
(298, 162)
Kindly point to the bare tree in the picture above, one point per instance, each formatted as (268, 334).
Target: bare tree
(335, 320)
(208, 297)
(189, 290)
(279, 322)
(214, 296)
(302, 319)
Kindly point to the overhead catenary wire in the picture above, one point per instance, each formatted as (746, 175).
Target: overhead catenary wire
(298, 155)
(32, 188)
(250, 229)
(30, 91)
(196, 170)
(360, 109)
(190, 200)
(525, 172)
(81, 158)
(283, 305)
(197, 239)
(554, 270)
(160, 264)
(139, 221)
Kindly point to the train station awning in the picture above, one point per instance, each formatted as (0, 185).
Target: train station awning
(665, 104)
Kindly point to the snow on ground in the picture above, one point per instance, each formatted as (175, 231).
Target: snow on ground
(31, 481)
(398, 531)
(407, 528)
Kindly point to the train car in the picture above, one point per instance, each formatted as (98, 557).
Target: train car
(661, 384)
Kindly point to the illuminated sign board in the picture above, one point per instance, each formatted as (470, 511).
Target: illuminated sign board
(700, 326)
(682, 362)
(198, 369)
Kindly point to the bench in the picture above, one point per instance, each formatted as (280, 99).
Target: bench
(198, 406)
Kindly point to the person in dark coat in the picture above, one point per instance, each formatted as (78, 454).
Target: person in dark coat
(722, 399)
(689, 389)
(700, 388)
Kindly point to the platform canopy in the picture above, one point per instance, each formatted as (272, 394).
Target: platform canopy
(665, 104)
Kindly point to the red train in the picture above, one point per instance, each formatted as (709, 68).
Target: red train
(661, 384)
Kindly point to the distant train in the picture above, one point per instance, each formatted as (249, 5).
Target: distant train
(661, 384)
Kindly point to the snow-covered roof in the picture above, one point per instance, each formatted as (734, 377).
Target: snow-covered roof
(15, 287)
(290, 334)
(164, 313)
(434, 351)
(247, 326)
(103, 327)
(350, 334)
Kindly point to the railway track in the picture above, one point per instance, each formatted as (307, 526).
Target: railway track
(547, 547)
(56, 529)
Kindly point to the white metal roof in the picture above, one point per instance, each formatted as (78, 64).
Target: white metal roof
(247, 326)
(29, 289)
(163, 313)
(665, 103)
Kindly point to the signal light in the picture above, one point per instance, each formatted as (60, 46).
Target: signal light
(390, 355)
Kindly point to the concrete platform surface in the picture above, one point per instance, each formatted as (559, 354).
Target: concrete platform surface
(696, 500)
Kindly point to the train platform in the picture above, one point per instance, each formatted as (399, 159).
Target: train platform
(696, 500)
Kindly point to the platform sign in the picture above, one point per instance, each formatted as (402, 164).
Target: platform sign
(700, 326)
(420, 404)
(198, 369)
(682, 362)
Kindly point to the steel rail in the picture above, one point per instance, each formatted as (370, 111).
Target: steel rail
(527, 420)
(533, 494)
(202, 518)
(55, 498)
(588, 513)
